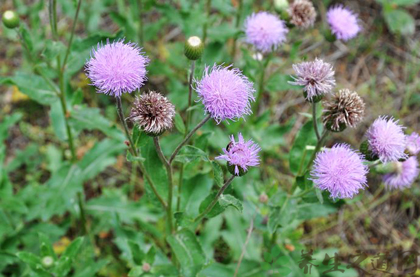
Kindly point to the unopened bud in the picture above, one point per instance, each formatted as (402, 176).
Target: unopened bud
(281, 5)
(146, 267)
(314, 99)
(194, 48)
(47, 261)
(10, 19)
(263, 198)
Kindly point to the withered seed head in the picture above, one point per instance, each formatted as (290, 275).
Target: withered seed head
(153, 113)
(345, 108)
(302, 13)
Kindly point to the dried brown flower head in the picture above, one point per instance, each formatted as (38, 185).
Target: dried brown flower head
(153, 113)
(345, 108)
(302, 13)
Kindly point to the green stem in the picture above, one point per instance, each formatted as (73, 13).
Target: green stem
(260, 90)
(210, 207)
(237, 21)
(141, 36)
(187, 138)
(187, 122)
(66, 122)
(133, 152)
(79, 3)
(315, 121)
(317, 148)
(53, 18)
(180, 181)
(82, 214)
(171, 185)
(205, 26)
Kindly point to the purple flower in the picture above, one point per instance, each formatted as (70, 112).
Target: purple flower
(116, 68)
(386, 139)
(405, 174)
(340, 170)
(413, 144)
(226, 93)
(265, 31)
(241, 154)
(316, 77)
(343, 22)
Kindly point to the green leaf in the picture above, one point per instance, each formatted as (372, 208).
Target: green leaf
(46, 246)
(133, 159)
(74, 247)
(66, 260)
(7, 122)
(58, 121)
(191, 153)
(188, 252)
(34, 262)
(319, 195)
(404, 3)
(35, 87)
(216, 210)
(227, 200)
(135, 271)
(299, 155)
(282, 212)
(136, 252)
(179, 124)
(400, 22)
(217, 173)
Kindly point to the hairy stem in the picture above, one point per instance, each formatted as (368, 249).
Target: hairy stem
(210, 207)
(187, 138)
(187, 122)
(314, 119)
(133, 152)
(260, 90)
(171, 185)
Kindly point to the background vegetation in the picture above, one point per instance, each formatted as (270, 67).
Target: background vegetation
(95, 217)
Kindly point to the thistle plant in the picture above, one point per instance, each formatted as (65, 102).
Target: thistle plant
(194, 140)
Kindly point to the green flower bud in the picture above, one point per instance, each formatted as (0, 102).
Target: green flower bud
(330, 37)
(281, 5)
(47, 261)
(194, 48)
(364, 149)
(329, 126)
(10, 19)
(231, 169)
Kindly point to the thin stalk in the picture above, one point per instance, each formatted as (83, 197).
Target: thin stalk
(314, 119)
(260, 90)
(141, 33)
(187, 122)
(124, 123)
(66, 122)
(73, 28)
(53, 18)
(248, 237)
(180, 181)
(187, 138)
(317, 148)
(237, 21)
(133, 152)
(205, 26)
(82, 214)
(210, 207)
(171, 185)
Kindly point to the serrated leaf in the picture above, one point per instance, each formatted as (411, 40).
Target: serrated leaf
(227, 200)
(136, 252)
(191, 153)
(217, 173)
(188, 252)
(179, 123)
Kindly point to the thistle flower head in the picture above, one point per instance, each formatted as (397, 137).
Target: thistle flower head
(265, 31)
(302, 13)
(404, 175)
(386, 139)
(340, 170)
(343, 22)
(225, 92)
(240, 154)
(316, 77)
(153, 113)
(413, 144)
(344, 109)
(116, 68)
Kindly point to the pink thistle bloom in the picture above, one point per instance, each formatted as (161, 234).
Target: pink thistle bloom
(413, 144)
(265, 31)
(343, 22)
(116, 68)
(340, 170)
(225, 92)
(241, 154)
(405, 174)
(387, 139)
(316, 77)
